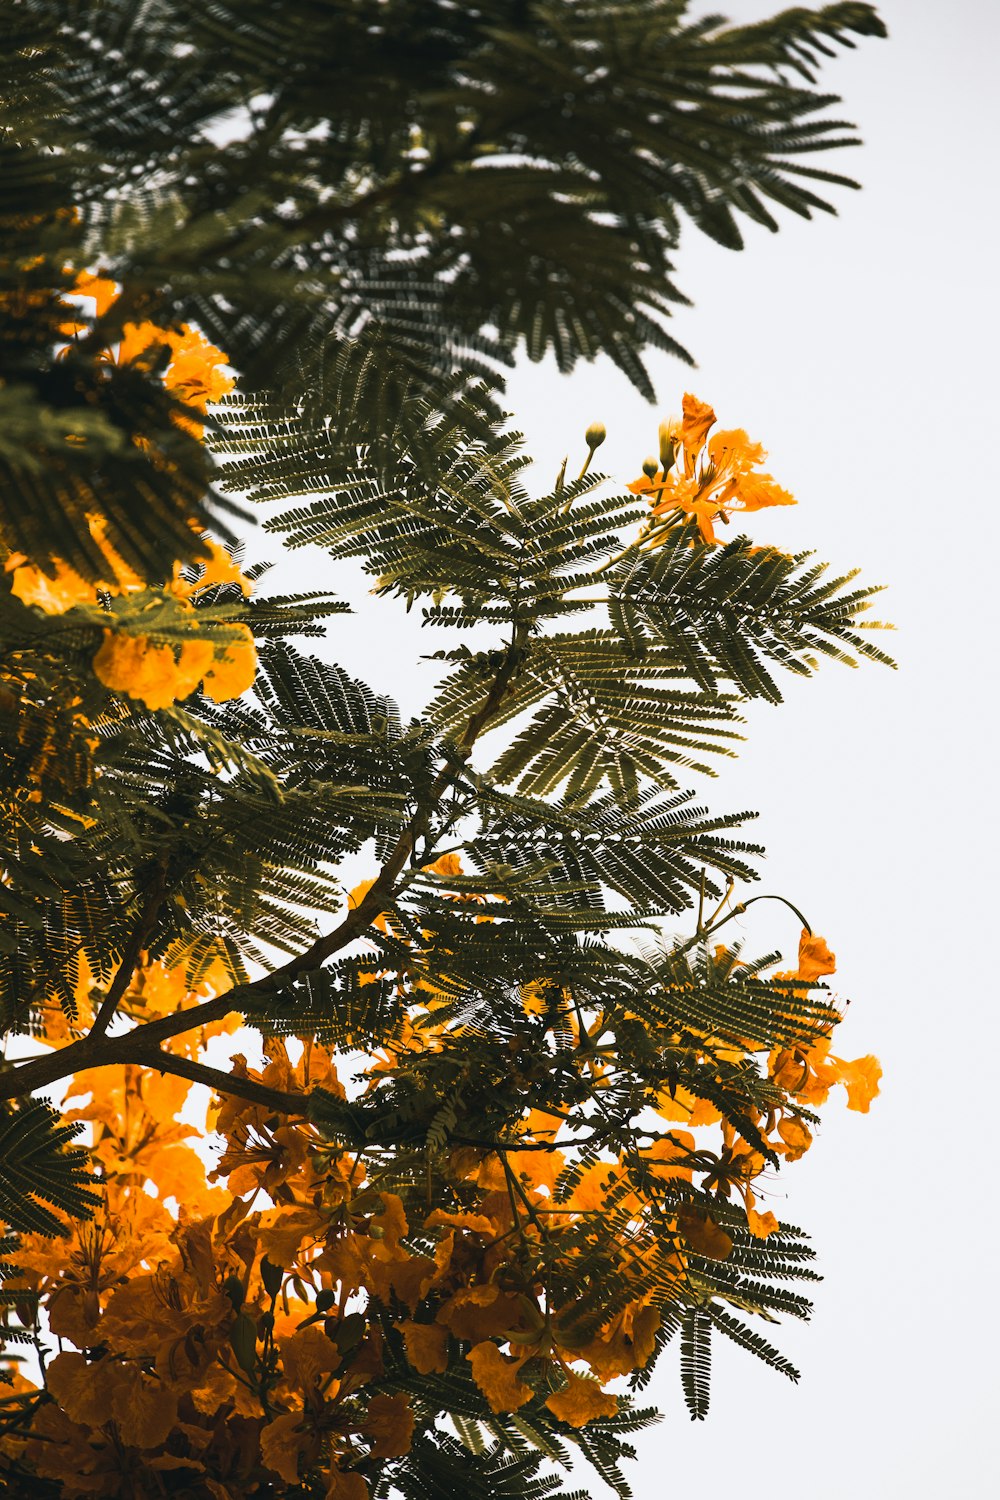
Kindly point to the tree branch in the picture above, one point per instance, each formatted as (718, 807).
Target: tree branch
(144, 1042)
(224, 1083)
(130, 956)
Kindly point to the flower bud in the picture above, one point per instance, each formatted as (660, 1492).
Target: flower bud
(650, 467)
(243, 1339)
(667, 446)
(350, 1332)
(235, 1291)
(272, 1276)
(595, 435)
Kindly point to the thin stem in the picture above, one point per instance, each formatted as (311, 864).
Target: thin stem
(738, 911)
(130, 956)
(785, 902)
(723, 903)
(650, 532)
(515, 1186)
(706, 932)
(143, 1043)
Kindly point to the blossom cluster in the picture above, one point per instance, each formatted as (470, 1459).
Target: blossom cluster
(273, 1318)
(131, 661)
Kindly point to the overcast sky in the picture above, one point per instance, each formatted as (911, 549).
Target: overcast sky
(860, 351)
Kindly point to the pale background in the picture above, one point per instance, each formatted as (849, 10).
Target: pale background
(860, 351)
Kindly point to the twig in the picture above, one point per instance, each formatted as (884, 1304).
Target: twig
(130, 956)
(225, 1083)
(144, 1042)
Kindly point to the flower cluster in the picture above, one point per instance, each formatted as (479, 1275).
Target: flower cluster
(706, 478)
(221, 658)
(277, 1318)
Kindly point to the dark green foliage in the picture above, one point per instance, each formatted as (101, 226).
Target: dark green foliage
(423, 189)
(237, 848)
(696, 1361)
(728, 612)
(447, 516)
(655, 854)
(40, 1170)
(438, 1468)
(404, 203)
(751, 1340)
(81, 436)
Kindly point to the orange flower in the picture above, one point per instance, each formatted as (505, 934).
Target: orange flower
(581, 1401)
(281, 1444)
(77, 1274)
(103, 290)
(496, 1376)
(389, 1425)
(815, 958)
(861, 1079)
(810, 1073)
(714, 479)
(194, 372)
(137, 667)
(233, 668)
(703, 1234)
(698, 419)
(55, 594)
(142, 343)
(761, 1225)
(306, 1356)
(625, 1344)
(346, 1486)
(426, 1346)
(220, 568)
(796, 1138)
(62, 588)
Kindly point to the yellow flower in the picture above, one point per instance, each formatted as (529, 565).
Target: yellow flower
(195, 374)
(815, 958)
(761, 1225)
(101, 288)
(220, 568)
(426, 1346)
(54, 594)
(714, 478)
(233, 668)
(496, 1376)
(581, 1401)
(389, 1425)
(139, 668)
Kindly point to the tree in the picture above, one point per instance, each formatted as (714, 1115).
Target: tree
(513, 1209)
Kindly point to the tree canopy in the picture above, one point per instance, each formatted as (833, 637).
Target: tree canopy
(520, 1086)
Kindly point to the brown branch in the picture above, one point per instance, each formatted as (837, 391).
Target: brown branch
(224, 1083)
(138, 1046)
(130, 956)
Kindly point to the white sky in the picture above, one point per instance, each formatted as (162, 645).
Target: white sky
(859, 350)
